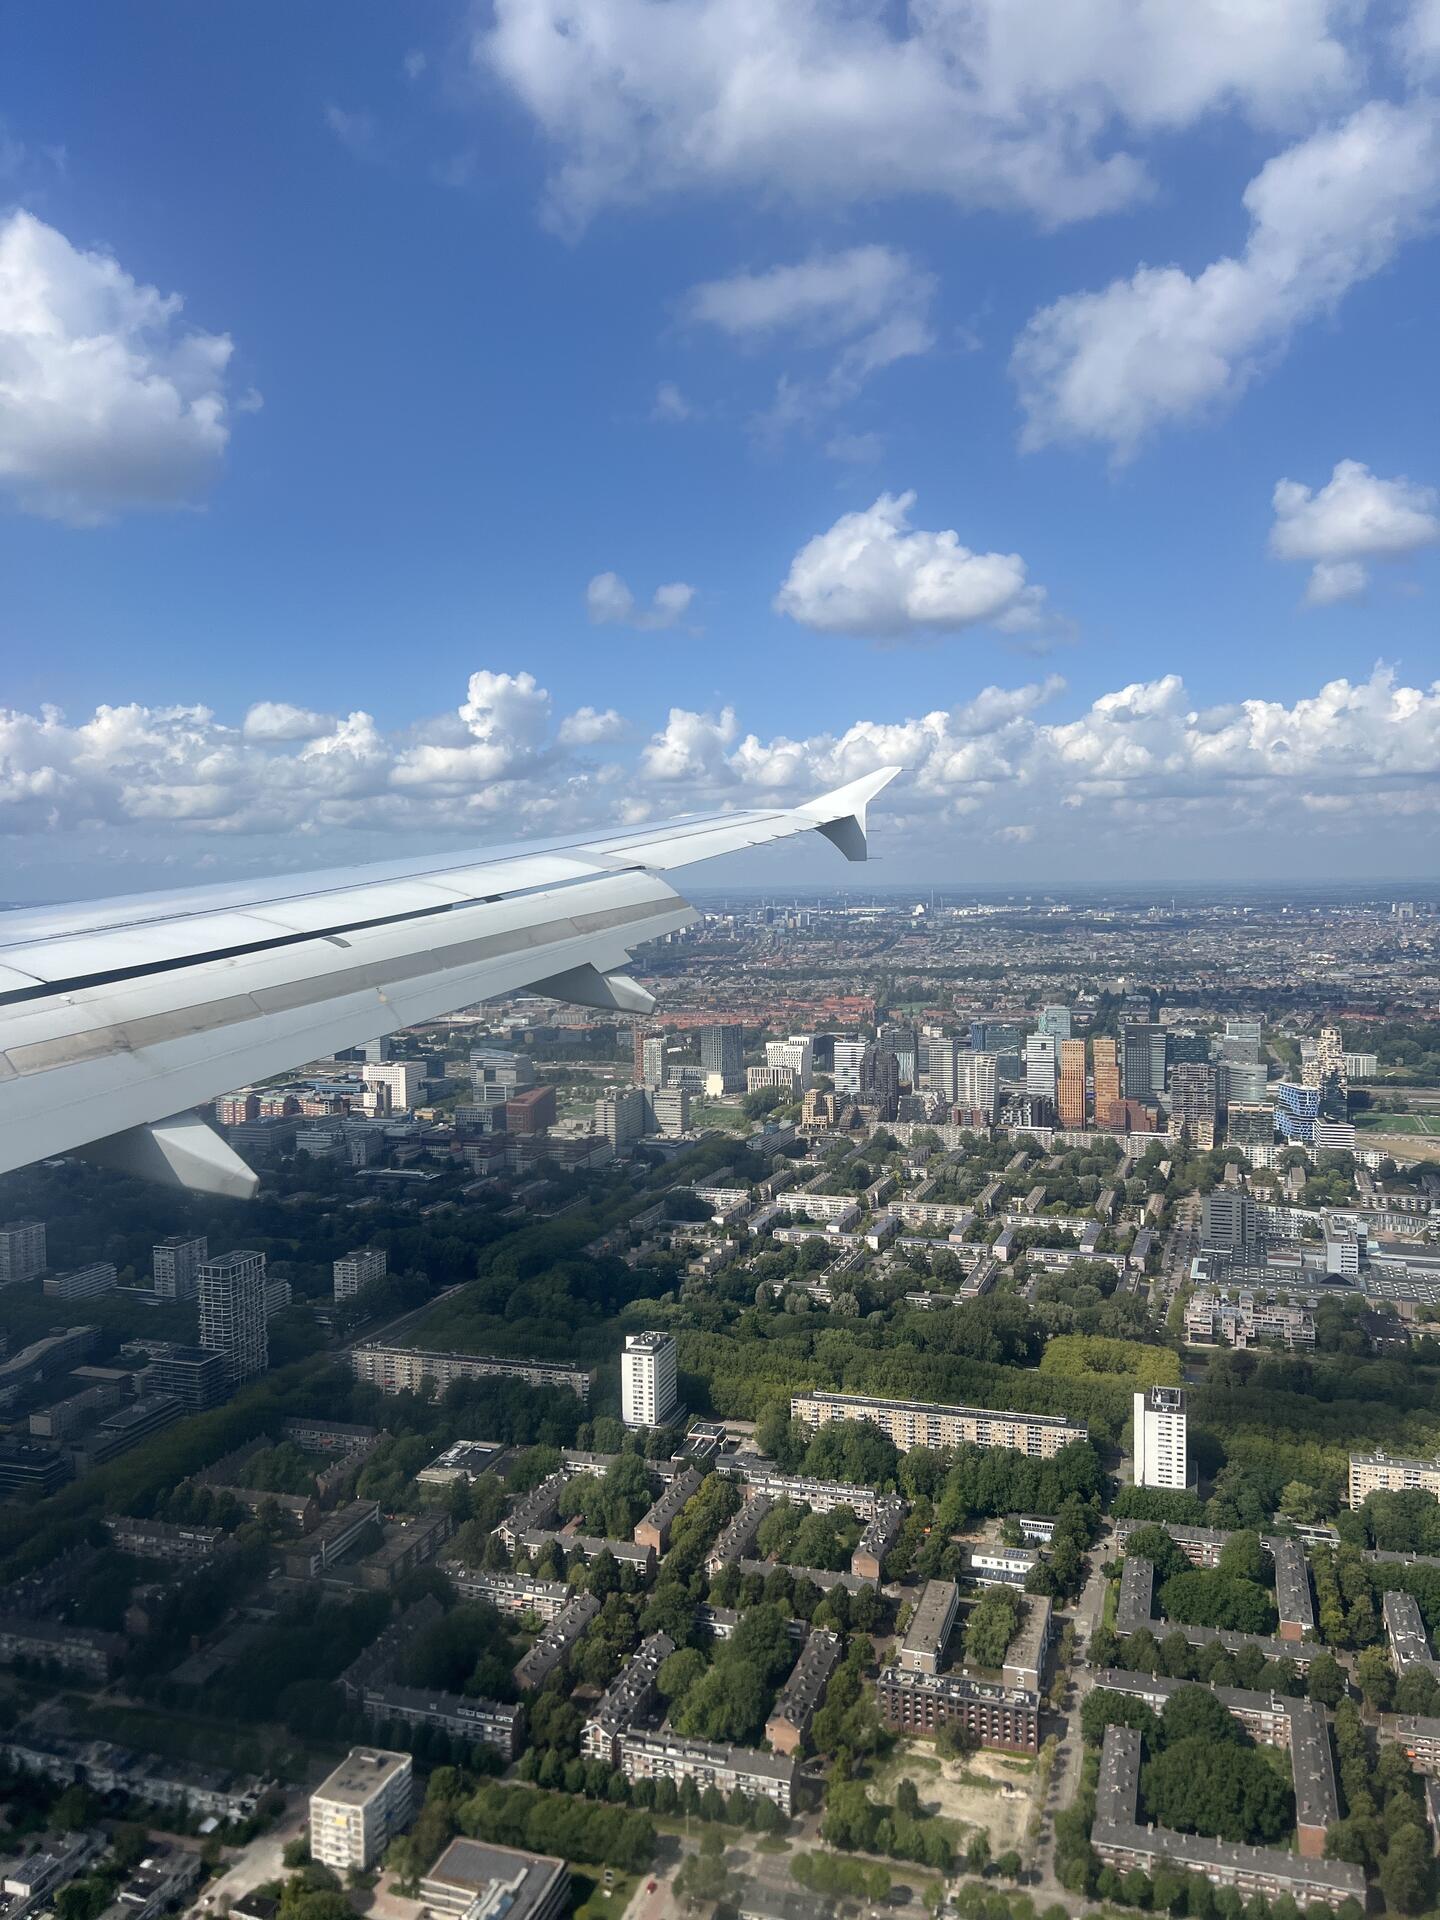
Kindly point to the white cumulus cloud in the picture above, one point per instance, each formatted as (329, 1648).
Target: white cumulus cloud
(589, 726)
(870, 574)
(1165, 347)
(1354, 518)
(984, 102)
(278, 720)
(1079, 781)
(107, 401)
(867, 307)
(610, 603)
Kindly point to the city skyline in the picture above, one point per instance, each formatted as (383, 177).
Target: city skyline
(485, 427)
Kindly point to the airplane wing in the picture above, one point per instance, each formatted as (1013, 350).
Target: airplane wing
(117, 1017)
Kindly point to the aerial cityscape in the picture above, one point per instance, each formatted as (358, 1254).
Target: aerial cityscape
(719, 960)
(922, 1414)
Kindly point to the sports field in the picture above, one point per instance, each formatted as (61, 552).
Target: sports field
(1372, 1122)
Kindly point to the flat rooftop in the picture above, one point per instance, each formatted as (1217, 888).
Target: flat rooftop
(362, 1772)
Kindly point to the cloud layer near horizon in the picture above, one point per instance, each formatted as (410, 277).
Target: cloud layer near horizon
(1008, 763)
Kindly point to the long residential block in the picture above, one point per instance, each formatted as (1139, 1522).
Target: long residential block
(1122, 1843)
(555, 1643)
(803, 1694)
(509, 1592)
(490, 1723)
(1135, 1612)
(993, 1716)
(737, 1536)
(924, 1644)
(1275, 1721)
(406, 1369)
(653, 1529)
(630, 1695)
(666, 1756)
(919, 1423)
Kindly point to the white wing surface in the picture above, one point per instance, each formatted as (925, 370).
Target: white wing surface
(119, 1016)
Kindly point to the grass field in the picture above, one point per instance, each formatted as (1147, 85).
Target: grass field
(1372, 1122)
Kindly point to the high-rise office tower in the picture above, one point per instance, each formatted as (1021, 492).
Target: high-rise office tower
(232, 1313)
(1107, 1077)
(722, 1051)
(1245, 1037)
(22, 1251)
(1055, 1021)
(381, 1049)
(1161, 1459)
(1193, 1102)
(650, 1060)
(648, 1377)
(1241, 1083)
(880, 1080)
(498, 1076)
(1071, 1096)
(1142, 1050)
(176, 1263)
(902, 1040)
(1040, 1061)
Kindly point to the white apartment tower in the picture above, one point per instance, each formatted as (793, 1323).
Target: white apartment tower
(232, 1313)
(848, 1055)
(22, 1251)
(357, 1812)
(977, 1081)
(1161, 1459)
(176, 1263)
(356, 1268)
(649, 1394)
(620, 1116)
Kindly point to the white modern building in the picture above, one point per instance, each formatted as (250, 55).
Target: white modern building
(356, 1813)
(977, 1081)
(175, 1265)
(358, 1268)
(1161, 1459)
(797, 1053)
(649, 1393)
(83, 1283)
(848, 1055)
(402, 1079)
(1041, 1060)
(232, 1312)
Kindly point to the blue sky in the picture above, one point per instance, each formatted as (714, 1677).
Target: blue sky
(478, 312)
